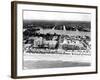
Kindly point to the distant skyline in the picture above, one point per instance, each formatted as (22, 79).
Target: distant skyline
(50, 16)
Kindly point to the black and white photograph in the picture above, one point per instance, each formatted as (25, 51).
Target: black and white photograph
(54, 38)
(56, 43)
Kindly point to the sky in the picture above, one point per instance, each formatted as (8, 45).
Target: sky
(58, 16)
